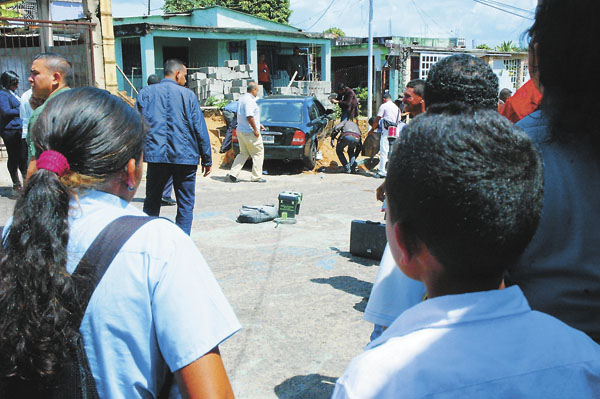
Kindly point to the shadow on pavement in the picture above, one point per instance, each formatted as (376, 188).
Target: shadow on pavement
(313, 386)
(6, 192)
(355, 259)
(348, 284)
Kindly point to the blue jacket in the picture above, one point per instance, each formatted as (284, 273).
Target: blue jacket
(177, 132)
(9, 112)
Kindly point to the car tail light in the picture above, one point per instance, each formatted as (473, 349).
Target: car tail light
(234, 136)
(299, 138)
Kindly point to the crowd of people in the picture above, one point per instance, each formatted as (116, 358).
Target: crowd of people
(489, 285)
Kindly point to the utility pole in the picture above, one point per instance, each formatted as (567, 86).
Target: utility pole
(370, 63)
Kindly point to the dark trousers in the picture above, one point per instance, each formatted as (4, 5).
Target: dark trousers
(168, 190)
(17, 154)
(184, 183)
(231, 121)
(353, 145)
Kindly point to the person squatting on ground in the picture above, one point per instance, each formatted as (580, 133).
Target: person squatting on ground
(249, 137)
(51, 74)
(176, 142)
(157, 308)
(462, 79)
(389, 115)
(347, 102)
(350, 138)
(11, 128)
(464, 191)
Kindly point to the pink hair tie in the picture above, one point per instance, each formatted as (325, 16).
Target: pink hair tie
(53, 161)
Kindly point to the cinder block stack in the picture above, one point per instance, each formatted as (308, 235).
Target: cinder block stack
(318, 89)
(228, 82)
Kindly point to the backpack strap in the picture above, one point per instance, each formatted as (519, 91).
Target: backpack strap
(101, 253)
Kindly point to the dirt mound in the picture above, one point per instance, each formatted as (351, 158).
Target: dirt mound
(329, 161)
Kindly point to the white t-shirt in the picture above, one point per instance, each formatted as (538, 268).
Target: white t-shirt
(248, 107)
(389, 111)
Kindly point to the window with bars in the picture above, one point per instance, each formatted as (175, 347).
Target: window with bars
(512, 66)
(426, 61)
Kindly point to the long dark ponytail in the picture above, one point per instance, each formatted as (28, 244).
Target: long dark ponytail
(98, 133)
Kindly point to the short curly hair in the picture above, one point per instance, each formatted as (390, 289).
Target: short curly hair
(462, 78)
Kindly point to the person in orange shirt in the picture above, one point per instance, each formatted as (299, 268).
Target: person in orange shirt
(264, 74)
(525, 100)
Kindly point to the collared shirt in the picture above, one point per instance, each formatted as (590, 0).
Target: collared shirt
(232, 107)
(158, 300)
(177, 129)
(25, 111)
(484, 344)
(31, 151)
(248, 107)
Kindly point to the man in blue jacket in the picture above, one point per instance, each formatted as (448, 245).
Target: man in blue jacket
(177, 139)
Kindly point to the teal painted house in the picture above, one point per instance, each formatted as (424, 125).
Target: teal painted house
(208, 37)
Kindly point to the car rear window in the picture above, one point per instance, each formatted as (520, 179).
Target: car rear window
(280, 111)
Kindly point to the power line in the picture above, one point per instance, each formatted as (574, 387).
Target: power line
(498, 6)
(322, 15)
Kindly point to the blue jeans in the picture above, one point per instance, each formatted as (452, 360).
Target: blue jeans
(184, 183)
(353, 144)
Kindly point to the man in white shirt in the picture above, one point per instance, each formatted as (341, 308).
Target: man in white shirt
(249, 137)
(464, 195)
(390, 113)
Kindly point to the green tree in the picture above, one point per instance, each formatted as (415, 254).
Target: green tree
(508, 47)
(483, 47)
(10, 13)
(335, 31)
(274, 10)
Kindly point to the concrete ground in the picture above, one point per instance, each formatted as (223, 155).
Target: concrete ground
(297, 291)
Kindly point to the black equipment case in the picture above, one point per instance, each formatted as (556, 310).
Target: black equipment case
(367, 239)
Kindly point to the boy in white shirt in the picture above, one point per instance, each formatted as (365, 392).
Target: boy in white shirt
(464, 191)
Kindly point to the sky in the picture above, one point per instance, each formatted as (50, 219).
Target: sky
(475, 22)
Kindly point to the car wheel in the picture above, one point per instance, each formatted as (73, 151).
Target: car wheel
(311, 161)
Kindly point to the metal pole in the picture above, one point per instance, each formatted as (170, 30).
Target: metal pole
(148, 7)
(370, 63)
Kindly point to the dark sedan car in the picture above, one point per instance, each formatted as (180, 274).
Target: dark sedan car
(293, 126)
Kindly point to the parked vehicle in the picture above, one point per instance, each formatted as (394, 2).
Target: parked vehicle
(294, 124)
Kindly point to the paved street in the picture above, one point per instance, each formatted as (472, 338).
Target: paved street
(296, 289)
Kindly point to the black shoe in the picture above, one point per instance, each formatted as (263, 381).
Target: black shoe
(168, 201)
(259, 181)
(231, 178)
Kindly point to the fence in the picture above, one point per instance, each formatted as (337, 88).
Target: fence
(22, 39)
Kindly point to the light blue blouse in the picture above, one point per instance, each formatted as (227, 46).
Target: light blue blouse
(158, 300)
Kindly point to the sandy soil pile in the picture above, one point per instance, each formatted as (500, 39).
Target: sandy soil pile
(328, 163)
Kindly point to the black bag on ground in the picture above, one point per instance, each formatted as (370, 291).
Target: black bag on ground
(257, 213)
(75, 380)
(370, 147)
(367, 239)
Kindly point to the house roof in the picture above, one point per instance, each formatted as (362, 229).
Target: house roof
(141, 29)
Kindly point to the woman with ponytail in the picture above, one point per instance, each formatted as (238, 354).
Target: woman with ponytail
(158, 306)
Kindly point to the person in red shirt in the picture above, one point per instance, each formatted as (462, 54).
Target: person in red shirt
(525, 100)
(264, 74)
